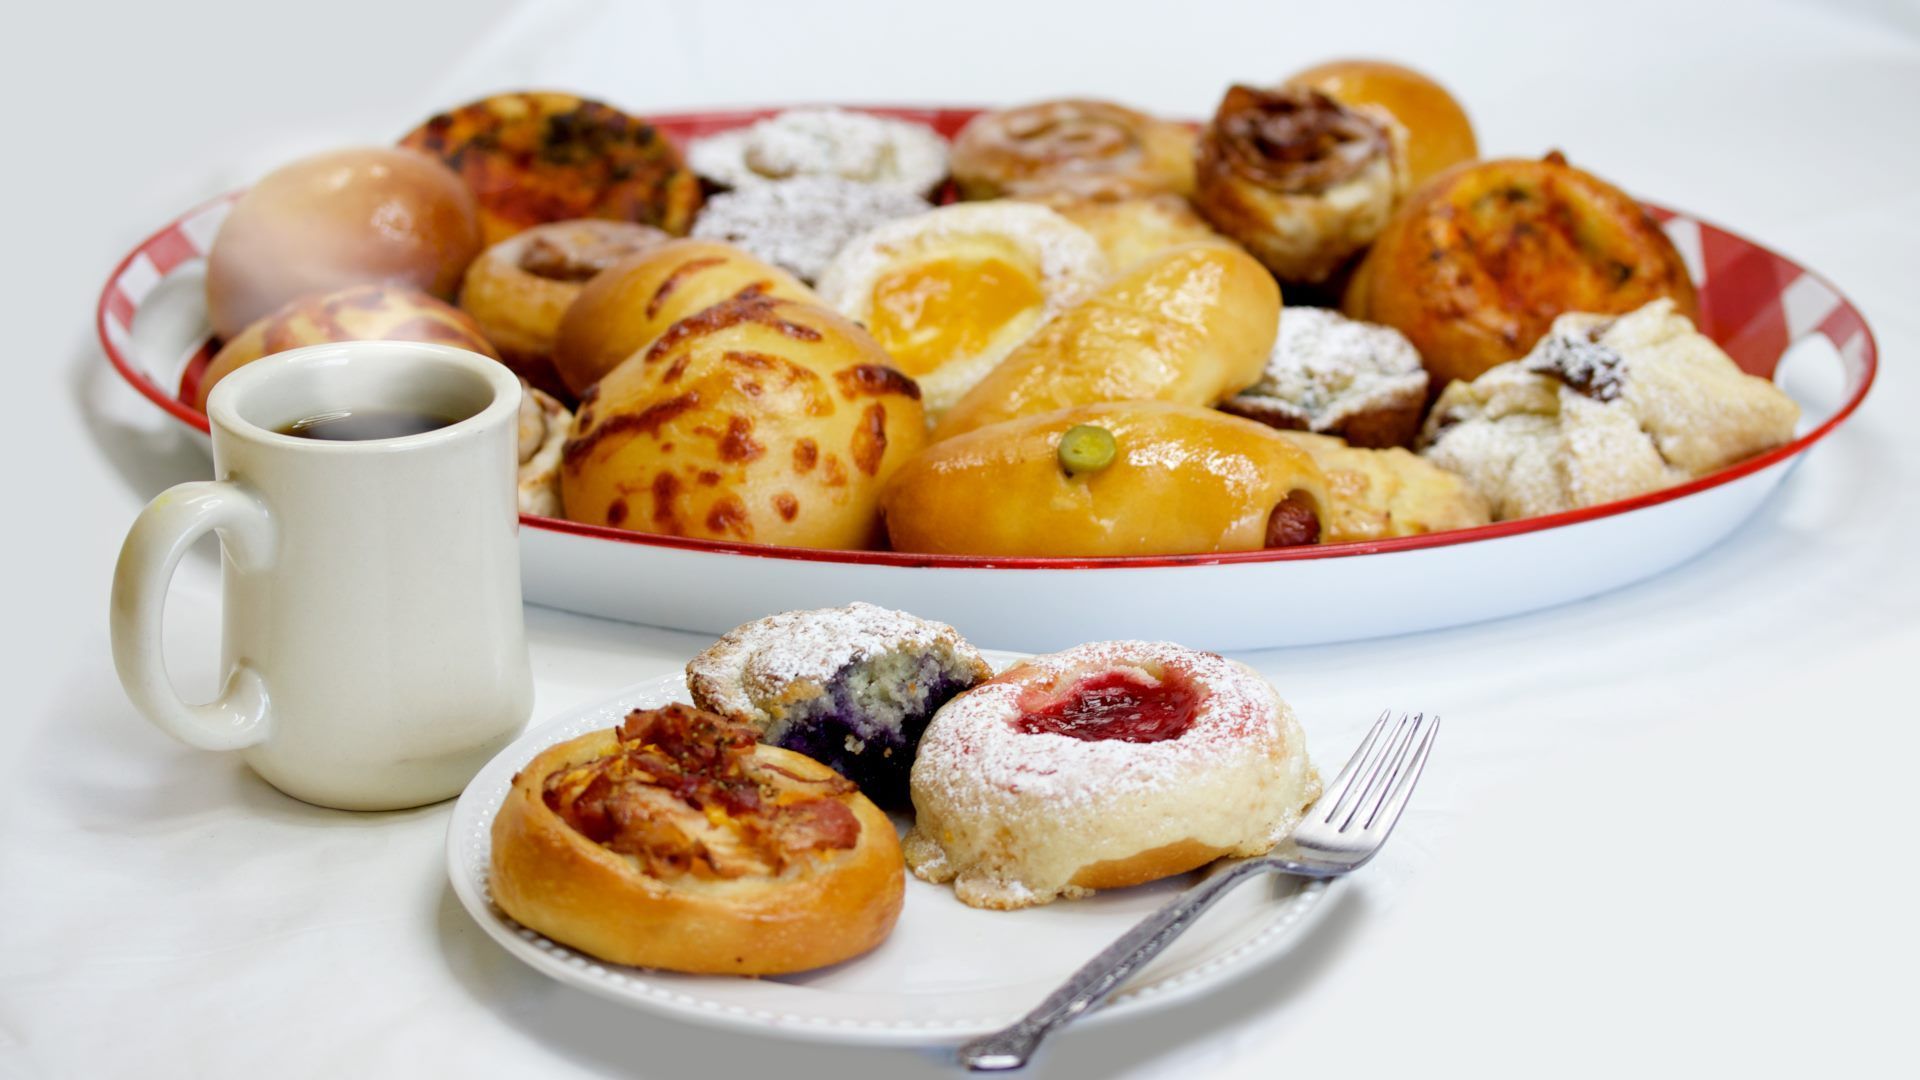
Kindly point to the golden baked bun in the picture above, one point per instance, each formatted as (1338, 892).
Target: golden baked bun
(520, 288)
(950, 292)
(1191, 325)
(1077, 146)
(361, 313)
(756, 419)
(674, 842)
(1178, 479)
(633, 301)
(373, 216)
(1377, 494)
(1130, 231)
(1439, 135)
(1477, 264)
(1298, 179)
(539, 156)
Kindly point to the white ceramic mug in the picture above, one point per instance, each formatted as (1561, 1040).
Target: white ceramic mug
(374, 646)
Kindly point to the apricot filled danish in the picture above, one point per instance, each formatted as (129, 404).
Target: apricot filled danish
(1300, 180)
(674, 841)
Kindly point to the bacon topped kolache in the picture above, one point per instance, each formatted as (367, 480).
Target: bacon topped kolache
(685, 794)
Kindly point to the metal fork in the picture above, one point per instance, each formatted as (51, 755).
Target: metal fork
(1337, 836)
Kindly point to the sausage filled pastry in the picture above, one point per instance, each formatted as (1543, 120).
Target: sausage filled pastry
(1299, 179)
(675, 841)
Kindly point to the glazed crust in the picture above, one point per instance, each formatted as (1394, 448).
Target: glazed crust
(1439, 135)
(1074, 146)
(1132, 230)
(1478, 264)
(758, 420)
(536, 157)
(550, 878)
(361, 313)
(1184, 479)
(1190, 326)
(633, 302)
(519, 289)
(1298, 179)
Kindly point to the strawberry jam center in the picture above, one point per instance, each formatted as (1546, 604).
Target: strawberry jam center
(1120, 705)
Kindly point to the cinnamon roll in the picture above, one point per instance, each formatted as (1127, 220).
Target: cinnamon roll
(1074, 146)
(1300, 180)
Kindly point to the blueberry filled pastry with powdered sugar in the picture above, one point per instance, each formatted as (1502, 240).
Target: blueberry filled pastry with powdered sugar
(851, 687)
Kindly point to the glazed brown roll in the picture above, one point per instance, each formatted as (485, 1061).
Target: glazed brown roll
(1074, 146)
(1300, 180)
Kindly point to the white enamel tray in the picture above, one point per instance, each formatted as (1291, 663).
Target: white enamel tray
(948, 972)
(1773, 317)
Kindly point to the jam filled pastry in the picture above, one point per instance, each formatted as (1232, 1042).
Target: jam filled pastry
(1299, 179)
(675, 842)
(1075, 147)
(851, 687)
(1479, 263)
(1190, 325)
(518, 289)
(1604, 408)
(949, 293)
(1110, 764)
(853, 146)
(1332, 375)
(536, 157)
(800, 224)
(1124, 478)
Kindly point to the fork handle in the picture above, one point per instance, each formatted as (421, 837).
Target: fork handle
(1011, 1047)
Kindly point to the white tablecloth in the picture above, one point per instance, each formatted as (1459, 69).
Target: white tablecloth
(1666, 829)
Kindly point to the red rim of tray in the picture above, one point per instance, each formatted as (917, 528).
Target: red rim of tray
(1750, 315)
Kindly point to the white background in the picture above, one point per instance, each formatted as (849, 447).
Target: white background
(1668, 830)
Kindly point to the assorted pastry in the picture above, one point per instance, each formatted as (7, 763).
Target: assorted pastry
(1076, 330)
(742, 834)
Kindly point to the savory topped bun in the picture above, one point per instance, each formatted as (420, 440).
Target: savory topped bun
(518, 289)
(1439, 135)
(1110, 764)
(633, 302)
(950, 292)
(757, 420)
(1190, 325)
(866, 149)
(1479, 263)
(537, 157)
(361, 313)
(1299, 179)
(374, 216)
(1123, 478)
(1076, 147)
(675, 842)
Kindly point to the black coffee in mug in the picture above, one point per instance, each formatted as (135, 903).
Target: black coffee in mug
(361, 425)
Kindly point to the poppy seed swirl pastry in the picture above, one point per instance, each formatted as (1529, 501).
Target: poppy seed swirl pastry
(674, 841)
(1107, 765)
(544, 423)
(1338, 376)
(850, 687)
(1076, 147)
(1299, 179)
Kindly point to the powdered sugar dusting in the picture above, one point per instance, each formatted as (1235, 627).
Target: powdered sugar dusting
(824, 142)
(1326, 368)
(800, 224)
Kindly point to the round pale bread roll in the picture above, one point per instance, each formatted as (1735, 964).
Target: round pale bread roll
(374, 216)
(1439, 135)
(1192, 326)
(757, 419)
(1111, 764)
(519, 289)
(633, 302)
(819, 910)
(949, 293)
(360, 313)
(1182, 479)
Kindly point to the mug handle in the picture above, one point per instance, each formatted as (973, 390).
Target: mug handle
(159, 537)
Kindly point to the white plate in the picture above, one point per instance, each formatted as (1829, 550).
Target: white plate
(948, 972)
